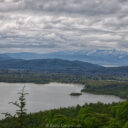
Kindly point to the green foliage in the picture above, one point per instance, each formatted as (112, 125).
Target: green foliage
(114, 124)
(87, 116)
(20, 114)
(126, 125)
(93, 122)
(117, 88)
(85, 112)
(122, 113)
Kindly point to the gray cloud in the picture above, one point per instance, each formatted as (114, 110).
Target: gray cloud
(54, 25)
(90, 7)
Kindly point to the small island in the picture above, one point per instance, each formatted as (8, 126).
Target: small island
(75, 94)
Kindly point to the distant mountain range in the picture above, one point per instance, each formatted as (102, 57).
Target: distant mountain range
(4, 57)
(62, 66)
(50, 65)
(101, 57)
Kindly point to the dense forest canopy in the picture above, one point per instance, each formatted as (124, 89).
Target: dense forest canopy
(98, 115)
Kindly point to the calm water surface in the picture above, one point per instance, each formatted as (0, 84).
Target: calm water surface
(47, 96)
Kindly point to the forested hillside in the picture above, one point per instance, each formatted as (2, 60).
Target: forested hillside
(88, 116)
(62, 67)
(51, 65)
(4, 57)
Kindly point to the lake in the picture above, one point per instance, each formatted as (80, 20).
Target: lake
(47, 96)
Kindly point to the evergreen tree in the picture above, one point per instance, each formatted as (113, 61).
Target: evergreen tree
(21, 111)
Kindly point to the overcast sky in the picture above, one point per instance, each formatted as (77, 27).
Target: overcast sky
(58, 25)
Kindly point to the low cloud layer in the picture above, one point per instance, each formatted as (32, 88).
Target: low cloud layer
(57, 25)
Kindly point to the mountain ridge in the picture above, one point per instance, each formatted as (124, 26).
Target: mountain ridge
(62, 66)
(4, 57)
(50, 65)
(100, 57)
